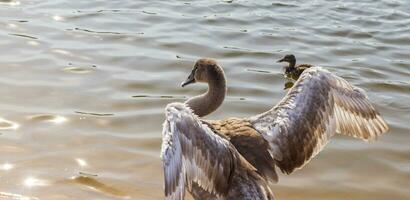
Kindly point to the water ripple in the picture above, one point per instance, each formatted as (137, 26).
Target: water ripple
(8, 125)
(105, 71)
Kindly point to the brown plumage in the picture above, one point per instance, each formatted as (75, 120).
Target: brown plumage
(205, 156)
(205, 162)
(249, 143)
(236, 157)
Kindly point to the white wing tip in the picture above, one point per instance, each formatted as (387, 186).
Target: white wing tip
(177, 109)
(176, 105)
(316, 69)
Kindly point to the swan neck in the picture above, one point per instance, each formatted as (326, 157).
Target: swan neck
(208, 102)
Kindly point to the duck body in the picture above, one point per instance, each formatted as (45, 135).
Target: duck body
(295, 72)
(235, 158)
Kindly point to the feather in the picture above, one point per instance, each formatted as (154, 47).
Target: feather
(192, 153)
(318, 106)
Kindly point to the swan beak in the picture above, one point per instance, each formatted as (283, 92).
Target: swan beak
(188, 81)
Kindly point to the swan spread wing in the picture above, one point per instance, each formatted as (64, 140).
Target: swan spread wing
(319, 105)
(193, 153)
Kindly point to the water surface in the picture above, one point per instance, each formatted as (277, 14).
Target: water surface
(83, 85)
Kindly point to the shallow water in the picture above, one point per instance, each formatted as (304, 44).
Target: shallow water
(83, 85)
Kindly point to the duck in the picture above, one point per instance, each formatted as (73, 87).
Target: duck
(293, 71)
(236, 158)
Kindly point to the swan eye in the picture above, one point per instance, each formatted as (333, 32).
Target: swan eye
(194, 71)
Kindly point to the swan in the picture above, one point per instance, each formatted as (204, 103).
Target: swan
(235, 158)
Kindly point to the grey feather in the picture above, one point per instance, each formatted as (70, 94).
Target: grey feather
(318, 106)
(192, 153)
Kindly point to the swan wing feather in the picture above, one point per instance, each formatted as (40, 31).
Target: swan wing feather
(318, 106)
(193, 153)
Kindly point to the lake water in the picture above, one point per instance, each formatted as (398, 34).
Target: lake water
(84, 84)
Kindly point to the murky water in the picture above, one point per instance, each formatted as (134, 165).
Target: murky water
(83, 85)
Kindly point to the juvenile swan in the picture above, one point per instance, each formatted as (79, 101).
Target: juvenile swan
(234, 158)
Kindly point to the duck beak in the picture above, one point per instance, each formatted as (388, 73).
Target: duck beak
(281, 60)
(189, 80)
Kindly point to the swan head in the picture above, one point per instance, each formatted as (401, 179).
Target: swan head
(205, 70)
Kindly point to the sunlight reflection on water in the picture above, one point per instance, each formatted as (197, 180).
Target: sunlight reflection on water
(11, 196)
(6, 166)
(56, 119)
(81, 162)
(84, 84)
(8, 125)
(32, 182)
